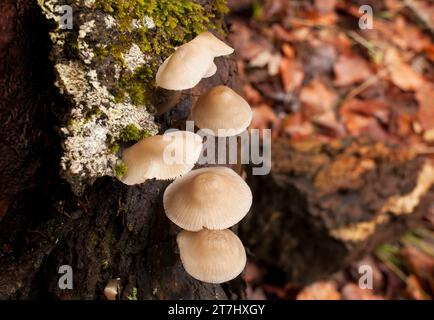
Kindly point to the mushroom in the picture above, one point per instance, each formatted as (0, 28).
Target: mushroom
(111, 290)
(185, 67)
(218, 47)
(211, 71)
(212, 256)
(222, 111)
(163, 157)
(214, 198)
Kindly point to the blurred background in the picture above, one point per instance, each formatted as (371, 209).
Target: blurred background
(322, 70)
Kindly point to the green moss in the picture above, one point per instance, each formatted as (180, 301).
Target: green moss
(131, 134)
(71, 46)
(176, 23)
(114, 148)
(102, 52)
(94, 240)
(133, 294)
(120, 170)
(105, 264)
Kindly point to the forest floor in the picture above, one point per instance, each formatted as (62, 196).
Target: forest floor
(309, 70)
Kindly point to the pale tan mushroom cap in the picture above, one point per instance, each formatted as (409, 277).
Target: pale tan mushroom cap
(222, 108)
(211, 71)
(218, 47)
(212, 256)
(214, 198)
(163, 157)
(185, 67)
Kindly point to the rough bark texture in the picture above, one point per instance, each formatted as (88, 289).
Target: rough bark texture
(327, 205)
(112, 230)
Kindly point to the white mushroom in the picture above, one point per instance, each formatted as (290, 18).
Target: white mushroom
(212, 256)
(214, 198)
(222, 111)
(163, 157)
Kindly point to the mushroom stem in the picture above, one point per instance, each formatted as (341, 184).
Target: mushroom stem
(165, 100)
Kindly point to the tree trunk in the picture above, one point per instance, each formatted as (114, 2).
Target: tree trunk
(111, 231)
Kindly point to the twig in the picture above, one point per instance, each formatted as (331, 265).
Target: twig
(422, 18)
(366, 84)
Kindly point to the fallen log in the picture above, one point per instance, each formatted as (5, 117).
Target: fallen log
(326, 205)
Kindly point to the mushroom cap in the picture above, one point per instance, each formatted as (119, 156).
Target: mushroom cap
(185, 67)
(214, 198)
(163, 157)
(212, 256)
(111, 289)
(218, 47)
(222, 108)
(211, 71)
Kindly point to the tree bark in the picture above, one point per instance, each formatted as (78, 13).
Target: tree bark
(112, 230)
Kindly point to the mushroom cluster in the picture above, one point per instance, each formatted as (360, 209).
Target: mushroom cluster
(204, 202)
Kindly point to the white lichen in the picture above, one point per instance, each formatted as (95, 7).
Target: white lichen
(149, 22)
(134, 58)
(96, 120)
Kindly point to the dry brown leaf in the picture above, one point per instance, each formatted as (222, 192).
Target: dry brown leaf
(372, 107)
(350, 70)
(291, 74)
(401, 74)
(317, 98)
(251, 94)
(352, 292)
(296, 127)
(425, 98)
(288, 51)
(265, 118)
(321, 290)
(325, 6)
(274, 64)
(247, 44)
(403, 34)
(414, 289)
(358, 124)
(420, 263)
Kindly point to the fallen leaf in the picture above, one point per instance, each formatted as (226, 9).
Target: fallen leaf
(325, 6)
(401, 74)
(291, 73)
(414, 289)
(247, 44)
(360, 117)
(261, 60)
(402, 34)
(296, 127)
(288, 51)
(350, 70)
(274, 9)
(425, 98)
(352, 292)
(265, 118)
(252, 273)
(251, 94)
(372, 107)
(321, 290)
(274, 64)
(317, 99)
(420, 263)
